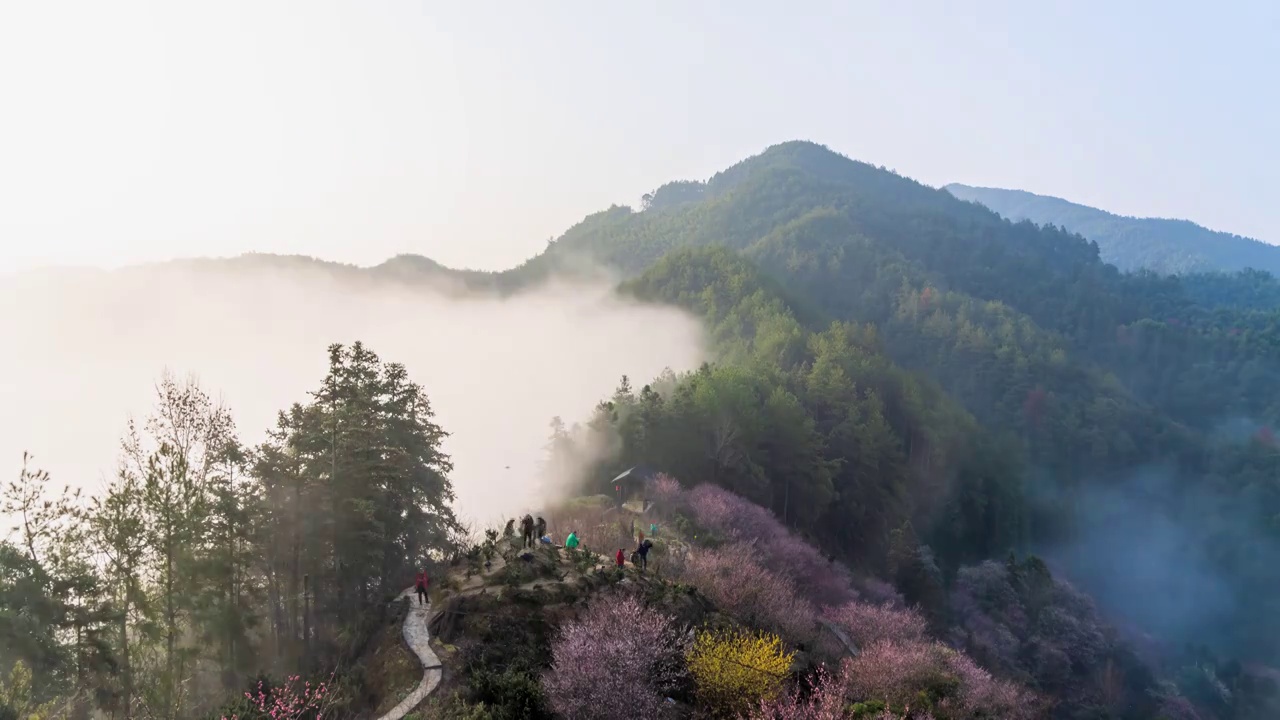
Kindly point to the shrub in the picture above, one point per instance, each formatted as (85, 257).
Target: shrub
(730, 516)
(666, 493)
(1172, 705)
(730, 577)
(616, 661)
(17, 696)
(821, 697)
(736, 671)
(911, 676)
(1023, 624)
(292, 700)
(503, 659)
(878, 592)
(510, 694)
(451, 707)
(866, 624)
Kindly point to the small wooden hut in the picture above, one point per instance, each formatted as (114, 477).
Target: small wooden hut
(628, 488)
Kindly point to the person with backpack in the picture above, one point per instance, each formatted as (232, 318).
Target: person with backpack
(421, 586)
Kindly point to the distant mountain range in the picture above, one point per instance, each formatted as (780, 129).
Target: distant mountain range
(1168, 247)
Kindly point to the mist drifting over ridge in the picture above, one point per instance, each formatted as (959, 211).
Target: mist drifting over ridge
(88, 346)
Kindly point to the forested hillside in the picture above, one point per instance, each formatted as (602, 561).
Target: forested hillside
(971, 409)
(1167, 247)
(1107, 393)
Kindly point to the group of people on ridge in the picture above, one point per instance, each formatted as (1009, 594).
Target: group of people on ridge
(639, 556)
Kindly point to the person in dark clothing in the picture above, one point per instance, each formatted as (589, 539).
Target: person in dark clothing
(421, 586)
(526, 530)
(643, 551)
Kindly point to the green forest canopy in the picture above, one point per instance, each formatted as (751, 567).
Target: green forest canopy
(1092, 383)
(891, 360)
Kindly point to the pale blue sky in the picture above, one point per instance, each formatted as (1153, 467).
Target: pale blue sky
(472, 132)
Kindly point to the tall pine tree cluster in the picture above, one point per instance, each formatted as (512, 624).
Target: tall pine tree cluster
(204, 563)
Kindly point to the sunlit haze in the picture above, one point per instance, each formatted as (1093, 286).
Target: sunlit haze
(138, 129)
(91, 348)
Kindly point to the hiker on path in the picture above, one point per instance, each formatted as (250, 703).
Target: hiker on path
(621, 558)
(643, 550)
(421, 586)
(571, 542)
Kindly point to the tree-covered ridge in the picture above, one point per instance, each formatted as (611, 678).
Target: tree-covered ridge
(820, 426)
(802, 207)
(1094, 374)
(1167, 247)
(811, 420)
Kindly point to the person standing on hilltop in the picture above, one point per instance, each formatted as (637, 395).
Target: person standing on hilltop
(526, 531)
(621, 558)
(643, 552)
(421, 586)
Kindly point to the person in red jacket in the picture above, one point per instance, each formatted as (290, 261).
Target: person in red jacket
(421, 586)
(620, 558)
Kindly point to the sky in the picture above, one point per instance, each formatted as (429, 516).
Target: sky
(472, 133)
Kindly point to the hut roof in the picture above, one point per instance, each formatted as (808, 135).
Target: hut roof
(633, 476)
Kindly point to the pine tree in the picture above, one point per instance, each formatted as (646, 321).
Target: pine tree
(117, 527)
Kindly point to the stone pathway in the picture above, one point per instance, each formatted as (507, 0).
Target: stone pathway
(417, 637)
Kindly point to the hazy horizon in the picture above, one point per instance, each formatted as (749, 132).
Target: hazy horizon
(142, 131)
(496, 371)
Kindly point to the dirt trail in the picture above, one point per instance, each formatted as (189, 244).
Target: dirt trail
(418, 638)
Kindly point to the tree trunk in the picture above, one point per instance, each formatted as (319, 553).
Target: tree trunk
(170, 631)
(126, 670)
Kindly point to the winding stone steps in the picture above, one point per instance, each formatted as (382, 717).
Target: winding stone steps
(418, 639)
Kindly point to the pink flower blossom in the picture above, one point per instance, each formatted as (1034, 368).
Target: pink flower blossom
(666, 492)
(825, 699)
(866, 624)
(735, 518)
(616, 661)
(731, 577)
(901, 674)
(291, 701)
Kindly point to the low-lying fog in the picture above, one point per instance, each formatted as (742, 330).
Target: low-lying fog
(83, 351)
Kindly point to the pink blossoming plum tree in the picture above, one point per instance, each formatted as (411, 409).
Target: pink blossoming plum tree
(616, 661)
(821, 580)
(916, 676)
(866, 624)
(732, 579)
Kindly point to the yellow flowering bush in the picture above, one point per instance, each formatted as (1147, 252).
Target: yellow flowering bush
(735, 670)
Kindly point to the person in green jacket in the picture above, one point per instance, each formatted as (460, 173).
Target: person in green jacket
(571, 542)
